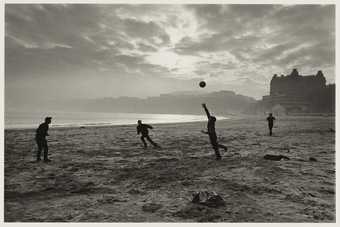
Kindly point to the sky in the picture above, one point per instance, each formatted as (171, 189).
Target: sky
(65, 51)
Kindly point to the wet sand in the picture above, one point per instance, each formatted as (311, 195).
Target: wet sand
(102, 174)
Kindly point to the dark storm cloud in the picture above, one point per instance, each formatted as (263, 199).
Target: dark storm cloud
(145, 30)
(40, 24)
(233, 19)
(267, 34)
(223, 43)
(243, 48)
(63, 37)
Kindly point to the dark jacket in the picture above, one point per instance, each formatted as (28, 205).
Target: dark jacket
(270, 120)
(211, 127)
(143, 128)
(41, 131)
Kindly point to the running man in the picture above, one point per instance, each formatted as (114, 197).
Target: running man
(212, 133)
(270, 120)
(40, 138)
(143, 129)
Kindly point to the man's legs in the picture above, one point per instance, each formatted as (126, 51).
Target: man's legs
(270, 130)
(213, 141)
(45, 146)
(217, 153)
(150, 140)
(40, 147)
(143, 140)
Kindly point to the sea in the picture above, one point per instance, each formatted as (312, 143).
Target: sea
(31, 119)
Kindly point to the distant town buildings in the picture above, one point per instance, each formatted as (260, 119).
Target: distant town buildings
(295, 93)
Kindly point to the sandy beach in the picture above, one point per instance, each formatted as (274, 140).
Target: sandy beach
(102, 174)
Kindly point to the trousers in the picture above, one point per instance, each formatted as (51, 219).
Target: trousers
(149, 139)
(42, 145)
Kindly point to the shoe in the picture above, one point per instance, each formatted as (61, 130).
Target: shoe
(47, 160)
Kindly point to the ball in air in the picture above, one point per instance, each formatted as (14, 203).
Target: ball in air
(202, 84)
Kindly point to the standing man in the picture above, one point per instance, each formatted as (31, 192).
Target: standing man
(212, 133)
(40, 138)
(143, 129)
(270, 120)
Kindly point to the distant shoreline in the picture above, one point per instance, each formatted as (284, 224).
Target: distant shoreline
(226, 118)
(99, 125)
(102, 126)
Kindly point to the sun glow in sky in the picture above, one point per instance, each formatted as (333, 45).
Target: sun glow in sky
(180, 64)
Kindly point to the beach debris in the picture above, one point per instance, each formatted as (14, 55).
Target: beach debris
(136, 191)
(211, 199)
(275, 157)
(312, 159)
(311, 194)
(81, 187)
(151, 207)
(110, 199)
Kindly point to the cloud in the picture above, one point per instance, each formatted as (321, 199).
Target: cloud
(53, 35)
(221, 43)
(144, 30)
(266, 35)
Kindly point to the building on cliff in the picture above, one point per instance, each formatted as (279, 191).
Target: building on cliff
(295, 93)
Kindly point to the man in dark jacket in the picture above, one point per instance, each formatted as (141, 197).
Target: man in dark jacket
(212, 133)
(40, 138)
(270, 120)
(143, 129)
